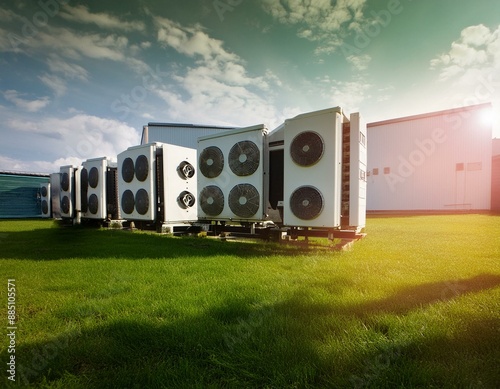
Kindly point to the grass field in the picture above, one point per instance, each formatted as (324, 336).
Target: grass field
(416, 304)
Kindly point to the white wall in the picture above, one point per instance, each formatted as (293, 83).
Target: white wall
(422, 153)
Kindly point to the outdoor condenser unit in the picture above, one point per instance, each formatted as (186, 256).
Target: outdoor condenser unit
(46, 200)
(69, 188)
(157, 182)
(98, 189)
(313, 169)
(231, 178)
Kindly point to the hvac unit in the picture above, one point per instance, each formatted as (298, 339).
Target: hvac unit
(98, 189)
(137, 182)
(232, 170)
(312, 169)
(46, 200)
(69, 200)
(178, 190)
(157, 182)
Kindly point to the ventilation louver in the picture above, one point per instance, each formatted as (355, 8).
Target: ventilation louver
(244, 200)
(307, 148)
(244, 158)
(306, 202)
(211, 200)
(211, 162)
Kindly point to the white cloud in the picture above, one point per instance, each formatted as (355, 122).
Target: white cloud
(71, 140)
(69, 70)
(359, 62)
(81, 14)
(57, 84)
(477, 48)
(218, 87)
(27, 105)
(320, 20)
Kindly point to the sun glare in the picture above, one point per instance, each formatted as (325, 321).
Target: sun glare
(487, 116)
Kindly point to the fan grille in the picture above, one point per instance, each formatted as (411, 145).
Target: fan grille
(244, 158)
(244, 200)
(186, 170)
(306, 202)
(65, 204)
(45, 207)
(307, 148)
(211, 162)
(44, 191)
(65, 182)
(142, 168)
(128, 169)
(212, 200)
(93, 203)
(142, 201)
(186, 200)
(94, 177)
(128, 201)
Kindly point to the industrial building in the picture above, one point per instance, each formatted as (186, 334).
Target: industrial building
(439, 161)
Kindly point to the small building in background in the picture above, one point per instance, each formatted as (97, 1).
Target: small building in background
(20, 195)
(179, 134)
(439, 161)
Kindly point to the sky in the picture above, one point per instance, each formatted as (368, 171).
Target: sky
(79, 80)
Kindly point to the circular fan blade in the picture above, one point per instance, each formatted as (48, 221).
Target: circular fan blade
(65, 181)
(186, 200)
(244, 158)
(94, 177)
(44, 191)
(128, 202)
(45, 207)
(128, 169)
(142, 201)
(244, 200)
(307, 148)
(142, 168)
(186, 170)
(65, 204)
(306, 202)
(211, 162)
(93, 203)
(211, 200)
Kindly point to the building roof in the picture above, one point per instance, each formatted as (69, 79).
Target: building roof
(13, 173)
(186, 125)
(430, 114)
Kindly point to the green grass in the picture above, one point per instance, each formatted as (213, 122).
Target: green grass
(416, 304)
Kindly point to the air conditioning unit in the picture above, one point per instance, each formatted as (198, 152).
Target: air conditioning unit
(69, 188)
(137, 182)
(313, 169)
(98, 189)
(157, 183)
(178, 191)
(231, 180)
(46, 200)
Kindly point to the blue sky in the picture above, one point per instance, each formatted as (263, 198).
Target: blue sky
(79, 81)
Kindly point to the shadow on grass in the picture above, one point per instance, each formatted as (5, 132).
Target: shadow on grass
(70, 242)
(422, 295)
(244, 343)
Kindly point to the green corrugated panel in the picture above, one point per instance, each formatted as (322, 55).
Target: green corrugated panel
(19, 196)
